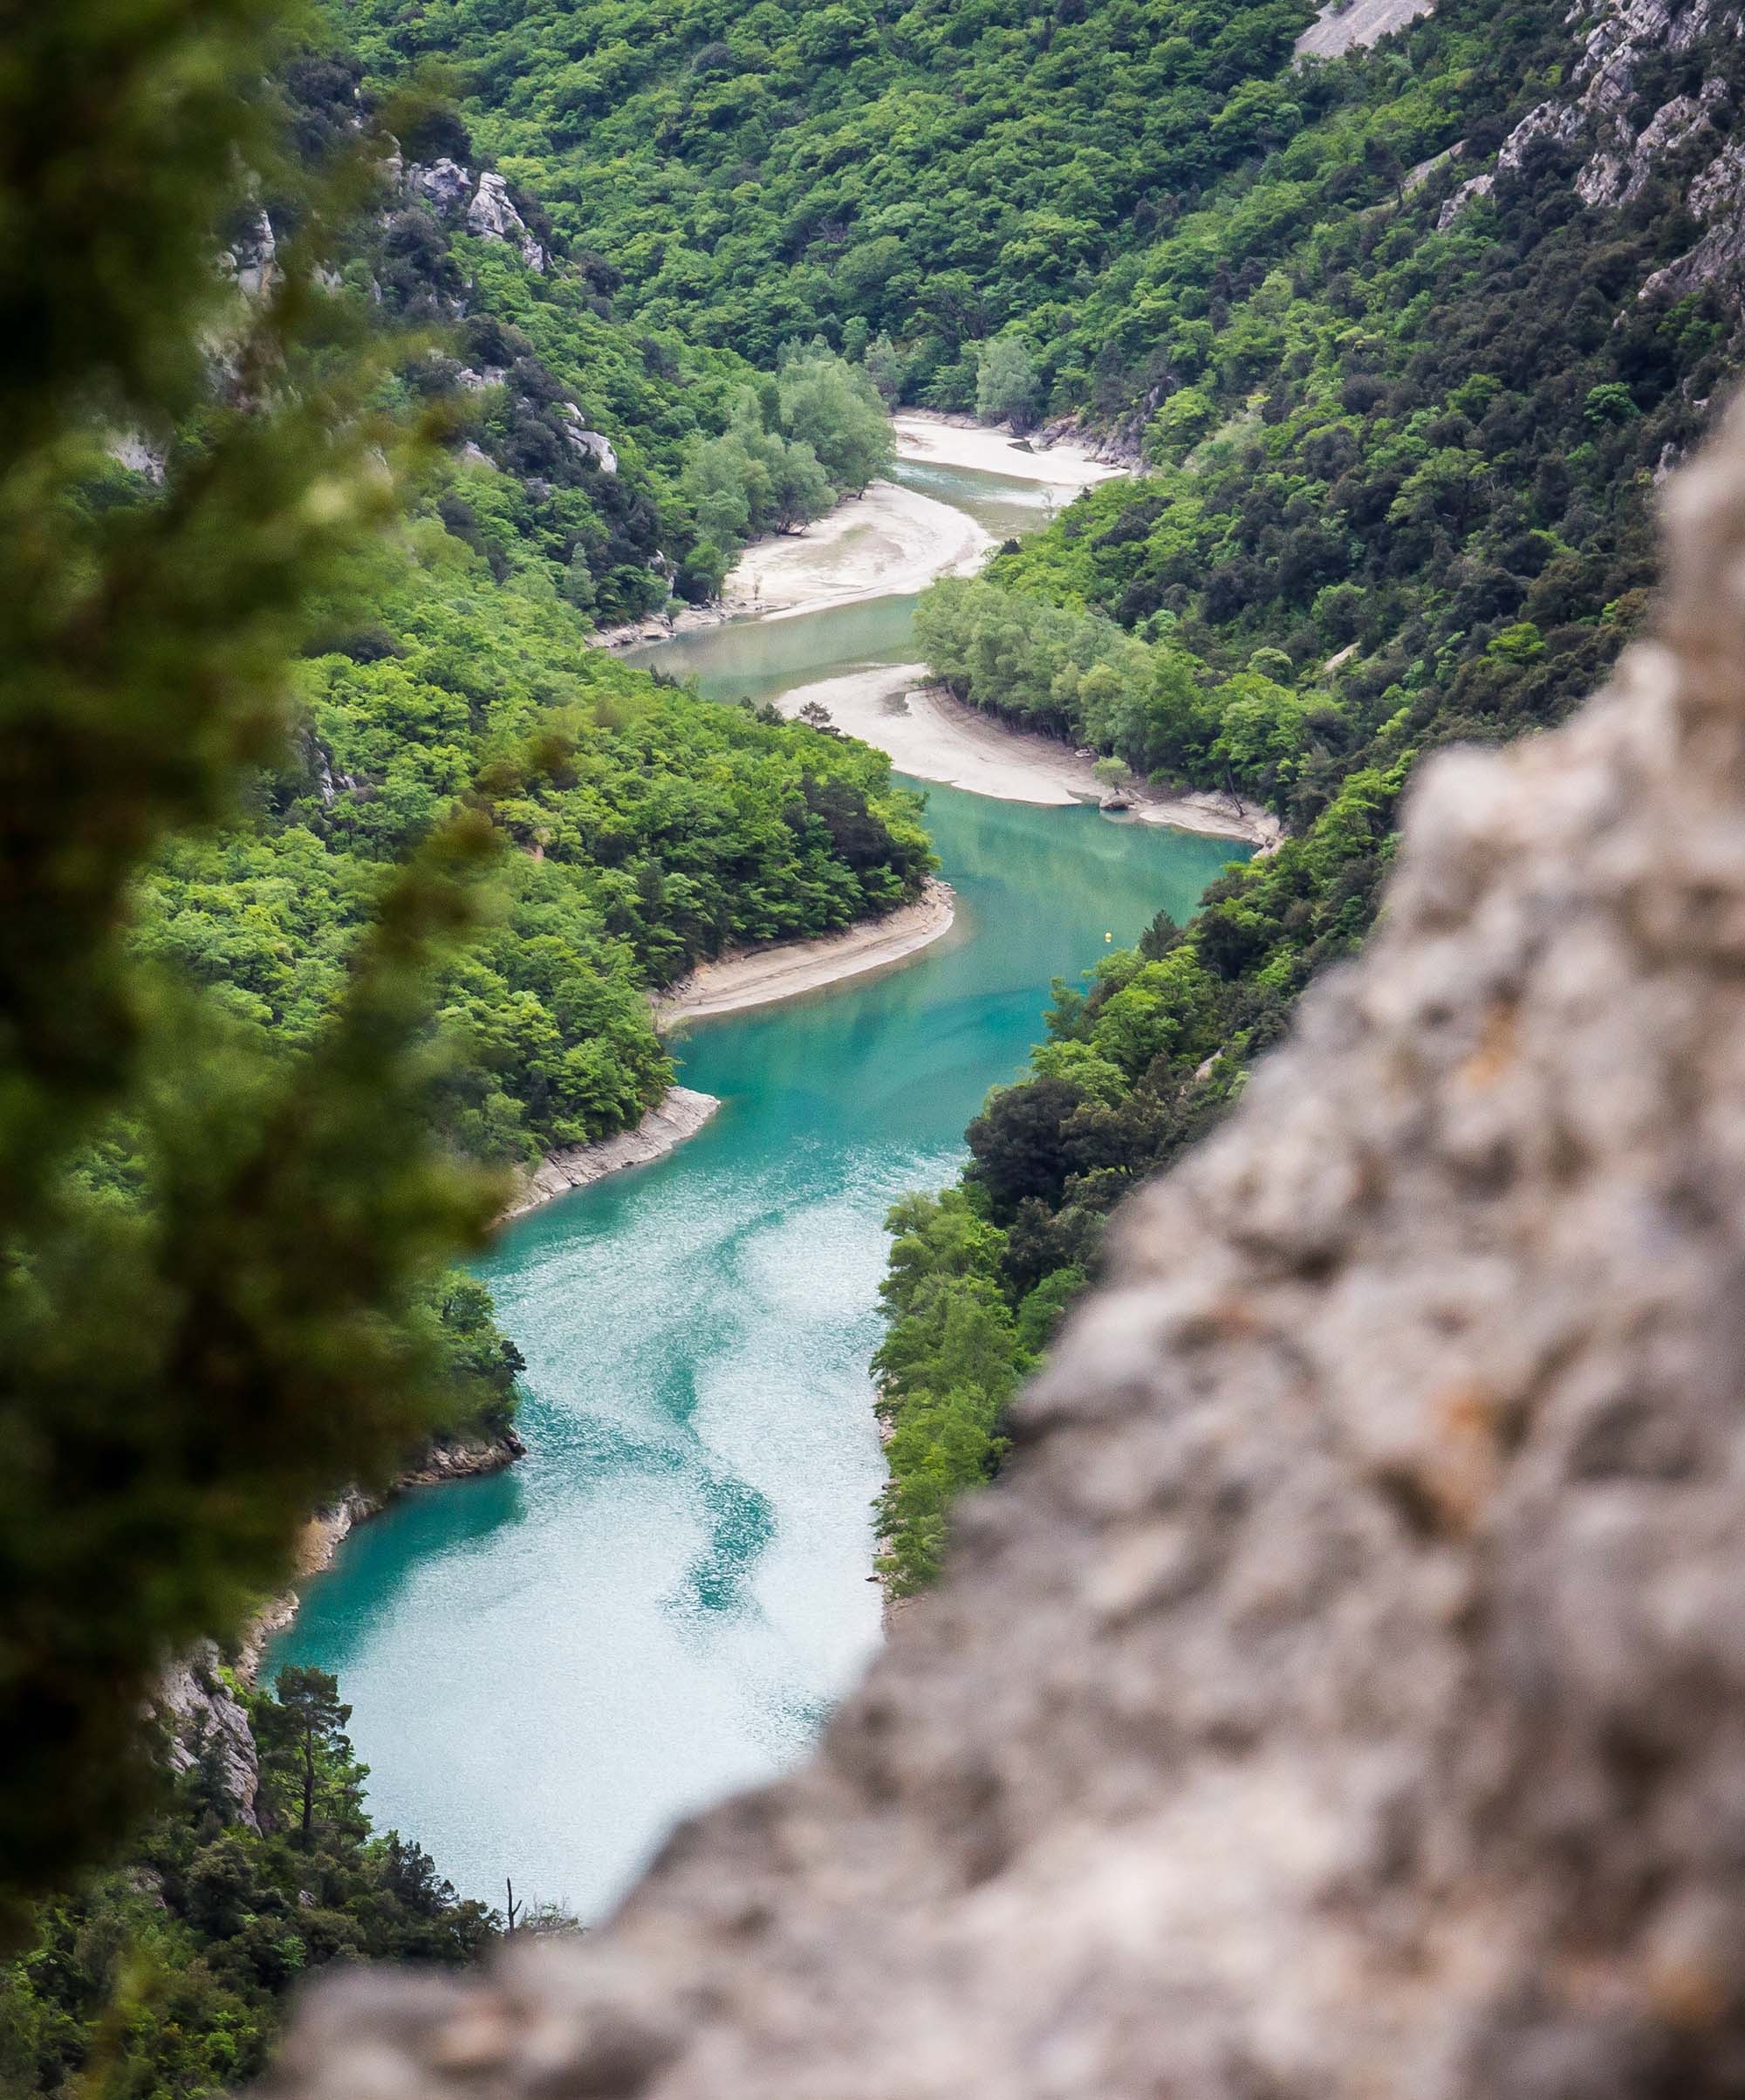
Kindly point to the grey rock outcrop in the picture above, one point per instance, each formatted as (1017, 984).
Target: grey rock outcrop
(593, 443)
(1355, 24)
(1345, 1693)
(484, 204)
(1556, 122)
(1468, 193)
(207, 1720)
(493, 215)
(1717, 199)
(127, 448)
(252, 260)
(444, 185)
(1605, 107)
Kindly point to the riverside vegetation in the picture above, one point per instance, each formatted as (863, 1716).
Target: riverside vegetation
(1402, 448)
(644, 284)
(164, 1976)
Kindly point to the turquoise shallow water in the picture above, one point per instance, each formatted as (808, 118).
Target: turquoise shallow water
(661, 1603)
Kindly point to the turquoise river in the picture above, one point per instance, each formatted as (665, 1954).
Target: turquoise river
(662, 1601)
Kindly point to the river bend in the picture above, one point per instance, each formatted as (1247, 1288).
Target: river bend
(662, 1602)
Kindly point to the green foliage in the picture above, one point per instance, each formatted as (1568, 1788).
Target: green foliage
(1008, 385)
(1399, 499)
(183, 1374)
(948, 1368)
(648, 829)
(833, 407)
(1159, 709)
(164, 1978)
(757, 176)
(264, 726)
(789, 452)
(750, 480)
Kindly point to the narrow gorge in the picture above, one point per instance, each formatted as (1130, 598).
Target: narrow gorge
(673, 1587)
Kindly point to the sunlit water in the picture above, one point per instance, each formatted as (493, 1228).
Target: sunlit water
(663, 1600)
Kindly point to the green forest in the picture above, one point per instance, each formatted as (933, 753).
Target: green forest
(338, 866)
(338, 862)
(1399, 495)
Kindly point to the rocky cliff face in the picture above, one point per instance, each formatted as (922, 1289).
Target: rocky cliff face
(1345, 1692)
(207, 1720)
(482, 204)
(1616, 105)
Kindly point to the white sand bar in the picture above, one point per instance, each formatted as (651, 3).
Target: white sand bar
(931, 736)
(889, 543)
(784, 969)
(948, 440)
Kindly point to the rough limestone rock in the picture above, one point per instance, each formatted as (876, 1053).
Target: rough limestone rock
(1468, 193)
(1346, 25)
(1717, 200)
(594, 443)
(485, 205)
(492, 213)
(1345, 1693)
(1621, 48)
(444, 184)
(252, 260)
(207, 1720)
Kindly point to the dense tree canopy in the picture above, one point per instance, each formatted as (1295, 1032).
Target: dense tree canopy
(759, 174)
(1400, 495)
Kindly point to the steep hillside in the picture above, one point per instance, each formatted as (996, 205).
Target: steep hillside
(646, 830)
(753, 175)
(165, 1977)
(1412, 404)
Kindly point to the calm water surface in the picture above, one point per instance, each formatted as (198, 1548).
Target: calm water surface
(663, 1601)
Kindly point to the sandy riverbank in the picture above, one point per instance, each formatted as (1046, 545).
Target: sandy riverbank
(890, 542)
(787, 969)
(894, 541)
(760, 976)
(931, 736)
(945, 440)
(681, 1114)
(886, 544)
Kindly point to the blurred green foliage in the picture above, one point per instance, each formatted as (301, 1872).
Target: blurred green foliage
(185, 1372)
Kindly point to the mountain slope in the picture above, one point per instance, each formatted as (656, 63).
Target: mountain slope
(1407, 426)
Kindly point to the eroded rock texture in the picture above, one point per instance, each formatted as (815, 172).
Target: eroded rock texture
(1345, 1692)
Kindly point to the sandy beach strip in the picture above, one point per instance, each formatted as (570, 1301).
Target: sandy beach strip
(894, 541)
(785, 969)
(887, 544)
(946, 441)
(680, 1113)
(931, 736)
